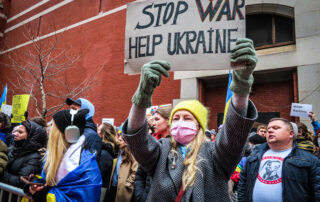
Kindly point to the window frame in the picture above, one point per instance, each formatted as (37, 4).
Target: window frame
(273, 10)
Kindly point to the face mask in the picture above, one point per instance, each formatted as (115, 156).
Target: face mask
(183, 131)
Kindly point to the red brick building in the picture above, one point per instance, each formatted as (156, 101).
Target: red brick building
(95, 32)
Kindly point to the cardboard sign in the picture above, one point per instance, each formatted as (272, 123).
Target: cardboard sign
(19, 107)
(108, 120)
(189, 34)
(300, 110)
(7, 109)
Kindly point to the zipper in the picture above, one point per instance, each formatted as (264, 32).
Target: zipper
(290, 156)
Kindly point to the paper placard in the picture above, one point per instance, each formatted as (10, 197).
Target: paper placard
(300, 110)
(108, 120)
(19, 107)
(190, 35)
(7, 109)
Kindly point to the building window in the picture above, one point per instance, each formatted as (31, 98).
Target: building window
(268, 30)
(270, 25)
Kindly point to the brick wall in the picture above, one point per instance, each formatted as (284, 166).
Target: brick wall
(99, 42)
(267, 97)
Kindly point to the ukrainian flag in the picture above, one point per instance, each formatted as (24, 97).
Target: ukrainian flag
(3, 99)
(81, 184)
(228, 99)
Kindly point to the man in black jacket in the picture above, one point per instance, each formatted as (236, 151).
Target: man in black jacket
(278, 170)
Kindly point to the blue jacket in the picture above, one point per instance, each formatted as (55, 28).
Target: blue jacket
(300, 175)
(93, 141)
(316, 126)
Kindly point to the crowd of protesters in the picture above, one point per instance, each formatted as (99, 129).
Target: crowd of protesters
(169, 155)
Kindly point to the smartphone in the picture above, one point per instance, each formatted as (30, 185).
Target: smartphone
(26, 180)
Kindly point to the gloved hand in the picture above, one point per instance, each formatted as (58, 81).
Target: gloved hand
(242, 79)
(149, 80)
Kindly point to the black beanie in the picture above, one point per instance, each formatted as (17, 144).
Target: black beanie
(63, 119)
(254, 138)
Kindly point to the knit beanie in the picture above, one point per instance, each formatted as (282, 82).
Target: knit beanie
(196, 108)
(62, 119)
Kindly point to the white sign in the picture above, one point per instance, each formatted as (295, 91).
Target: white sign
(300, 110)
(108, 120)
(189, 34)
(7, 109)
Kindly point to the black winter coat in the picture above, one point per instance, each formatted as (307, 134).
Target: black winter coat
(300, 175)
(25, 159)
(142, 185)
(93, 141)
(106, 163)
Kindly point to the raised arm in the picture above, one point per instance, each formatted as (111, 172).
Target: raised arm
(241, 113)
(149, 80)
(242, 79)
(144, 147)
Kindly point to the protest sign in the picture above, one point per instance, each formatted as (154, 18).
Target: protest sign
(7, 109)
(152, 110)
(108, 120)
(190, 35)
(19, 107)
(300, 110)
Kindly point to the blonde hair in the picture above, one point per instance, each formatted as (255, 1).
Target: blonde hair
(57, 146)
(191, 161)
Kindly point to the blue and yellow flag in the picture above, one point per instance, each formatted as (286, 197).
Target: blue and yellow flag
(3, 99)
(228, 98)
(81, 184)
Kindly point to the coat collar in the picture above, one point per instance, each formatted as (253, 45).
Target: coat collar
(261, 149)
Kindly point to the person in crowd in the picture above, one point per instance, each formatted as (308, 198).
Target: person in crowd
(161, 122)
(70, 172)
(123, 176)
(305, 138)
(208, 135)
(43, 123)
(93, 141)
(186, 167)
(162, 130)
(5, 140)
(109, 152)
(40, 121)
(24, 157)
(315, 123)
(316, 142)
(258, 137)
(278, 170)
(5, 129)
(211, 135)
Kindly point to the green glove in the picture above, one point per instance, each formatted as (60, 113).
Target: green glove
(242, 79)
(149, 80)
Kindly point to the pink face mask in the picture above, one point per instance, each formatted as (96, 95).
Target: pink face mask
(183, 131)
